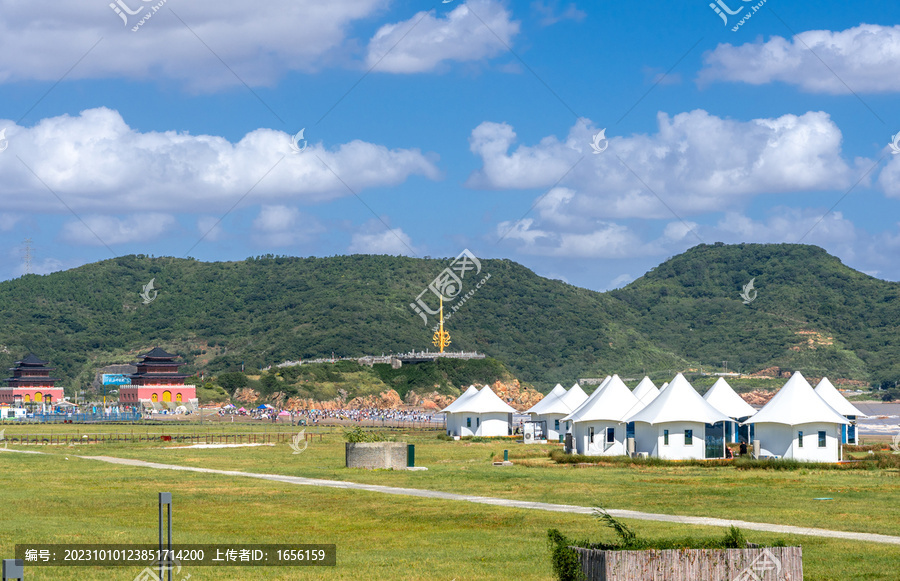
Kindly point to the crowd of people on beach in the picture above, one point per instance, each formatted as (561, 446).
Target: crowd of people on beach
(367, 414)
(316, 416)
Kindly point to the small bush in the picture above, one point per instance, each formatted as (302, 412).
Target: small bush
(565, 561)
(356, 435)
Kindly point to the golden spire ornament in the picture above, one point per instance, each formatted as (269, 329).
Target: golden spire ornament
(441, 338)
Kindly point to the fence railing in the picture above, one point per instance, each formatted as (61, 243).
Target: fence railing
(80, 418)
(757, 564)
(208, 438)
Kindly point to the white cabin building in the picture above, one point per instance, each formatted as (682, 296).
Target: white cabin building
(798, 424)
(598, 426)
(679, 425)
(833, 397)
(722, 397)
(483, 414)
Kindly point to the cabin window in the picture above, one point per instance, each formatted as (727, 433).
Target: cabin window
(591, 435)
(665, 437)
(610, 435)
(556, 424)
(477, 421)
(689, 437)
(468, 422)
(799, 439)
(822, 439)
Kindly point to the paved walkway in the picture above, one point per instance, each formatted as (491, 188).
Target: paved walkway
(687, 520)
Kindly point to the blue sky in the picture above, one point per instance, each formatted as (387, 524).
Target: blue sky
(431, 127)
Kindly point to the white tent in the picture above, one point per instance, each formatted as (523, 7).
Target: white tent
(555, 409)
(554, 394)
(645, 392)
(722, 397)
(833, 397)
(798, 424)
(455, 420)
(587, 400)
(673, 425)
(483, 414)
(599, 425)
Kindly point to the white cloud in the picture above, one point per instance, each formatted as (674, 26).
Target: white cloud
(695, 163)
(284, 226)
(8, 221)
(889, 178)
(864, 59)
(620, 281)
(41, 40)
(374, 238)
(95, 162)
(100, 230)
(606, 240)
(473, 31)
(550, 12)
(790, 225)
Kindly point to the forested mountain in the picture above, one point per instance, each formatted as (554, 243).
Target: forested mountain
(812, 313)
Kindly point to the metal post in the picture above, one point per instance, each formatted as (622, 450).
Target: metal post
(165, 498)
(506, 455)
(13, 569)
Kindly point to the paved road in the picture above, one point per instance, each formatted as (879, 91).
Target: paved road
(688, 520)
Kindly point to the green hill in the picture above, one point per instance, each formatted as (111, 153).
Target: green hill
(811, 313)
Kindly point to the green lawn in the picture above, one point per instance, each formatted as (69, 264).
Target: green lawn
(51, 499)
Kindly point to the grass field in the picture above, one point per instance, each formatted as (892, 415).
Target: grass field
(51, 499)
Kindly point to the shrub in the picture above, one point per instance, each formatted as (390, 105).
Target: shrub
(356, 434)
(565, 561)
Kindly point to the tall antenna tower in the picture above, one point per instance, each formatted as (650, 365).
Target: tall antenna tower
(28, 256)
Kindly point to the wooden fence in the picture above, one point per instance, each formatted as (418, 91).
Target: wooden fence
(208, 438)
(757, 564)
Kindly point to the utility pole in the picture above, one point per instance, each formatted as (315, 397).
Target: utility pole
(27, 256)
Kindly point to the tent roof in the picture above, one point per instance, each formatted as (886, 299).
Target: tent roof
(547, 400)
(723, 398)
(833, 397)
(484, 402)
(459, 401)
(644, 387)
(612, 401)
(593, 396)
(645, 392)
(574, 397)
(797, 403)
(679, 402)
(566, 403)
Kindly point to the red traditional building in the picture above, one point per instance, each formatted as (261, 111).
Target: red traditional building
(31, 383)
(157, 380)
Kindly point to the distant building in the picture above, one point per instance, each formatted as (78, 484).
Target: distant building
(31, 384)
(157, 381)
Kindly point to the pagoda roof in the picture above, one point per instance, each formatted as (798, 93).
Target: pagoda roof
(158, 353)
(32, 359)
